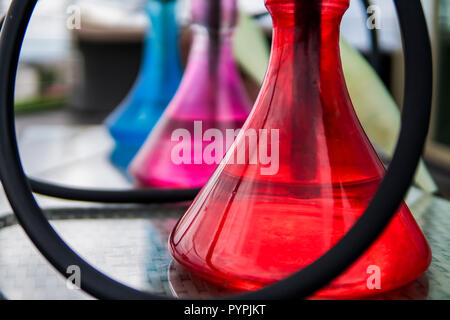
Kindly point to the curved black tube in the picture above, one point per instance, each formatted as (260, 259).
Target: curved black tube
(416, 115)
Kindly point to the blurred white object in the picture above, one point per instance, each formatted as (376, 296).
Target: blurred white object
(252, 6)
(113, 14)
(355, 31)
(47, 38)
(27, 83)
(108, 19)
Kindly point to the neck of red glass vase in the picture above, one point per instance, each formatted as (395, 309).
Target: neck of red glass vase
(306, 39)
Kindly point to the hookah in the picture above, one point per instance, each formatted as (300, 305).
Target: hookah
(341, 253)
(252, 224)
(157, 82)
(211, 99)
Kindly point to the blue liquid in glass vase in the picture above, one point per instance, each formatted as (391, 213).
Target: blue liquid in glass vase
(159, 78)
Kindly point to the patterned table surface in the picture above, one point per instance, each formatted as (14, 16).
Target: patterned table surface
(129, 243)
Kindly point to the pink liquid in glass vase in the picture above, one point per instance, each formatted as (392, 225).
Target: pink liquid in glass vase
(211, 104)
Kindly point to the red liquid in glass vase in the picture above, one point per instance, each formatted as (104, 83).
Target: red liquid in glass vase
(250, 227)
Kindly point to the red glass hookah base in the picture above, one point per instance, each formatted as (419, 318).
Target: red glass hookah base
(246, 230)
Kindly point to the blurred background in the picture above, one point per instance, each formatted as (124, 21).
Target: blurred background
(81, 57)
